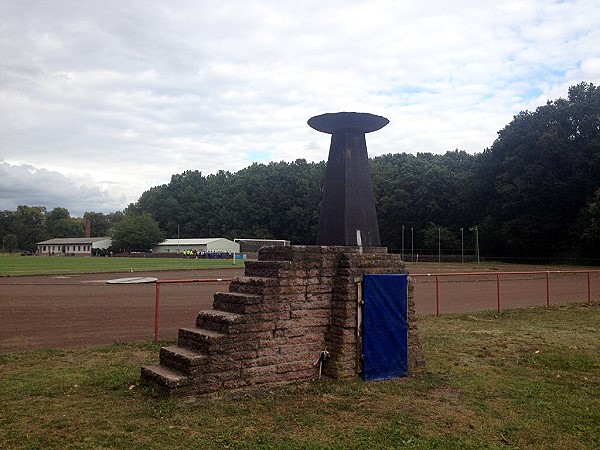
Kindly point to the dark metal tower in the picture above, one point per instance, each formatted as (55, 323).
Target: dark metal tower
(348, 214)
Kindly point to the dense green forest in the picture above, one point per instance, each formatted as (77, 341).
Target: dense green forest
(534, 193)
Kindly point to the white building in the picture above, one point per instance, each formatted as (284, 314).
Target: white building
(207, 245)
(72, 246)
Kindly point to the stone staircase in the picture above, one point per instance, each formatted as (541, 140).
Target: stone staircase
(273, 323)
(211, 353)
(235, 344)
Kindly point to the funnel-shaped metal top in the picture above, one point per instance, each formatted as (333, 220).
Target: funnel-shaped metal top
(333, 122)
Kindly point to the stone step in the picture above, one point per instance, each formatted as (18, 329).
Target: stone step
(200, 339)
(253, 285)
(282, 253)
(164, 378)
(267, 269)
(235, 302)
(181, 359)
(218, 320)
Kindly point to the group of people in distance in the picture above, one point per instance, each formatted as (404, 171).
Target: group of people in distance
(197, 254)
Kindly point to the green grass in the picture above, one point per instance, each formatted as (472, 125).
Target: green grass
(17, 265)
(56, 265)
(527, 379)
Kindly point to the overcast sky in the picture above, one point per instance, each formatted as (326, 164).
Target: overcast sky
(102, 100)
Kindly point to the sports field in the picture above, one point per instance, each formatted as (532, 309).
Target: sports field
(525, 378)
(70, 309)
(17, 265)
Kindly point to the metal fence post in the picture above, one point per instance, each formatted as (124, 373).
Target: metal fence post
(547, 288)
(437, 295)
(156, 312)
(498, 289)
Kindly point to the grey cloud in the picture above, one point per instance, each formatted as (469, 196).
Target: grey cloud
(26, 185)
(146, 89)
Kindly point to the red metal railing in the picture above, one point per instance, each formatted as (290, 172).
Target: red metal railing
(547, 273)
(437, 277)
(157, 303)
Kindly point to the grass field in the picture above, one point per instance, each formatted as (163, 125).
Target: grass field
(527, 379)
(17, 265)
(56, 265)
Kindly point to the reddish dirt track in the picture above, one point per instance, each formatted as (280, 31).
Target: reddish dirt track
(480, 292)
(82, 310)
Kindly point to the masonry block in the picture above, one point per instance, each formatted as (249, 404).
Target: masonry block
(274, 321)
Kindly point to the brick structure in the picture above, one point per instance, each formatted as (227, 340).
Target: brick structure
(272, 325)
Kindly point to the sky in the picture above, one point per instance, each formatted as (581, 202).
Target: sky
(101, 101)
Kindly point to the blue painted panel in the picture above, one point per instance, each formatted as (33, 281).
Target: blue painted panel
(385, 326)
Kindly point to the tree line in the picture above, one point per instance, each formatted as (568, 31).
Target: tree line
(535, 192)
(23, 228)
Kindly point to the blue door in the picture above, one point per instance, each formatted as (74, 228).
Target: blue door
(385, 326)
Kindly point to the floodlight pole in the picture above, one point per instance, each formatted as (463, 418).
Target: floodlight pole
(462, 245)
(412, 245)
(439, 244)
(401, 256)
(477, 242)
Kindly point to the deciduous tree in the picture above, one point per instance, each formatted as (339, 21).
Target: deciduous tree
(136, 232)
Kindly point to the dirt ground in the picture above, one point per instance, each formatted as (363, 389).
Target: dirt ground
(83, 310)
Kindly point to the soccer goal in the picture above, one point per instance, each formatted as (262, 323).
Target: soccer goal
(250, 247)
